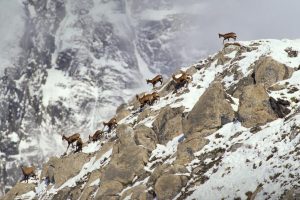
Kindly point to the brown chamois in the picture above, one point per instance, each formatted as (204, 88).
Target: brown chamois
(227, 36)
(155, 80)
(97, 135)
(71, 139)
(111, 123)
(147, 99)
(79, 145)
(184, 78)
(27, 172)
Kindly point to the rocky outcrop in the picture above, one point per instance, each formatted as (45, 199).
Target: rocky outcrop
(210, 112)
(255, 107)
(18, 189)
(168, 124)
(145, 136)
(280, 107)
(269, 71)
(168, 186)
(59, 170)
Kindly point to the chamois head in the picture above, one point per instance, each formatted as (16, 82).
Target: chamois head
(220, 35)
(148, 81)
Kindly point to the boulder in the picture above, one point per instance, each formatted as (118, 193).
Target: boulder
(254, 108)
(280, 107)
(269, 71)
(108, 190)
(126, 164)
(168, 186)
(62, 169)
(122, 112)
(211, 111)
(145, 136)
(168, 124)
(17, 190)
(125, 134)
(139, 193)
(186, 149)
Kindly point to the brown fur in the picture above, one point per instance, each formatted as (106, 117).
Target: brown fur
(27, 172)
(71, 139)
(79, 145)
(227, 36)
(97, 135)
(185, 77)
(111, 123)
(147, 98)
(155, 80)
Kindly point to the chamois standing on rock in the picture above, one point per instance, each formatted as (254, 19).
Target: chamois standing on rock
(71, 139)
(227, 36)
(79, 145)
(97, 135)
(27, 172)
(147, 99)
(155, 80)
(184, 79)
(111, 124)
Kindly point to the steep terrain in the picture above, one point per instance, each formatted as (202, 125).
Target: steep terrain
(232, 133)
(76, 62)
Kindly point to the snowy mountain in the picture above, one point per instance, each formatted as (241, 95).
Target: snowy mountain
(68, 64)
(231, 133)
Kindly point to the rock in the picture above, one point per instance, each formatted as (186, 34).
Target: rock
(269, 71)
(19, 189)
(138, 193)
(186, 149)
(168, 186)
(254, 108)
(279, 107)
(109, 190)
(168, 124)
(122, 112)
(145, 136)
(208, 113)
(68, 193)
(126, 135)
(126, 164)
(64, 168)
(236, 90)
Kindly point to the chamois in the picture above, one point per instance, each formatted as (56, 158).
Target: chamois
(71, 139)
(184, 79)
(97, 135)
(227, 36)
(79, 145)
(147, 99)
(27, 172)
(111, 124)
(155, 80)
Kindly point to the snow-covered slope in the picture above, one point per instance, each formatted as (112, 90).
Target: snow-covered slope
(68, 64)
(230, 158)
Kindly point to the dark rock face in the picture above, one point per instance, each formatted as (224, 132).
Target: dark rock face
(279, 107)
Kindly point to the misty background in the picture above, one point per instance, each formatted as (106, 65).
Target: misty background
(254, 19)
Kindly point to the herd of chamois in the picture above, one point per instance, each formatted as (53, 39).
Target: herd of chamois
(146, 99)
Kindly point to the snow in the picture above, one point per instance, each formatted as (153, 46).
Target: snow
(14, 137)
(11, 31)
(237, 168)
(91, 147)
(95, 183)
(28, 196)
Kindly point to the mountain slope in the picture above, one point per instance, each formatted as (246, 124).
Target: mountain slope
(232, 133)
(76, 62)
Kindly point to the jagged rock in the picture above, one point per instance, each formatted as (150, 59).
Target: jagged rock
(237, 89)
(138, 193)
(145, 136)
(222, 59)
(254, 108)
(168, 124)
(269, 71)
(126, 135)
(168, 186)
(108, 190)
(186, 149)
(122, 112)
(68, 193)
(18, 189)
(209, 111)
(66, 167)
(279, 107)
